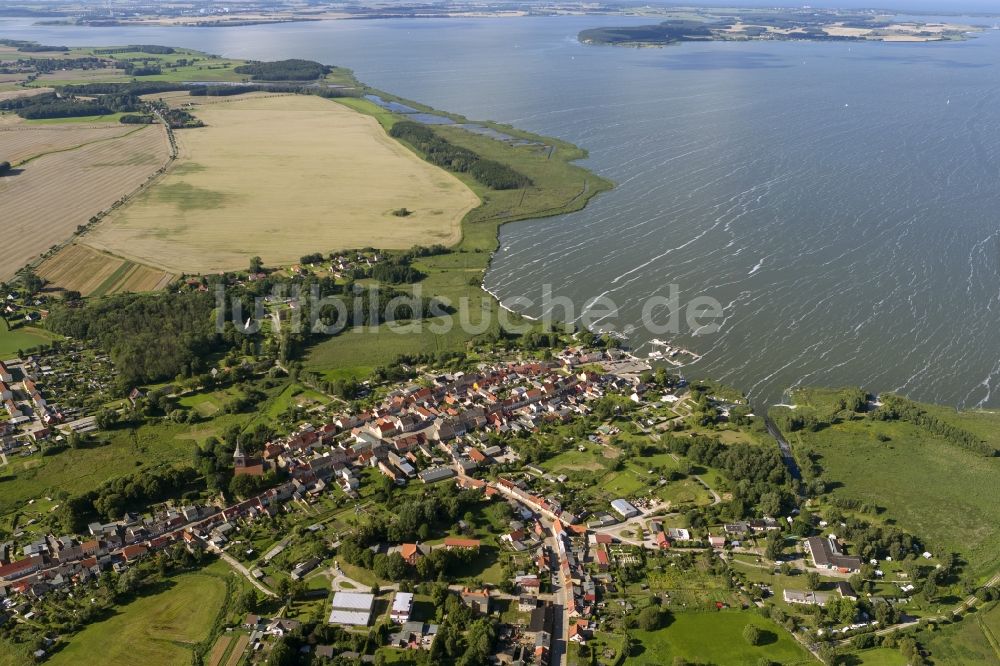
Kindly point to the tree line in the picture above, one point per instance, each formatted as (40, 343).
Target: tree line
(53, 105)
(138, 48)
(293, 69)
(114, 498)
(31, 47)
(455, 158)
(898, 408)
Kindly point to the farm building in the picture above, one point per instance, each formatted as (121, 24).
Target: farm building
(352, 608)
(624, 509)
(827, 553)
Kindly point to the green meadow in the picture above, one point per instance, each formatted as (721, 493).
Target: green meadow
(156, 629)
(716, 638)
(959, 516)
(22, 339)
(974, 640)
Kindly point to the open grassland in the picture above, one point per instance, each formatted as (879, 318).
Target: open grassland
(52, 195)
(974, 640)
(155, 629)
(716, 638)
(66, 77)
(879, 657)
(22, 142)
(80, 470)
(22, 338)
(961, 514)
(93, 273)
(122, 452)
(281, 177)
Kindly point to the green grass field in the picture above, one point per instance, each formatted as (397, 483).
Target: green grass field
(22, 338)
(83, 469)
(974, 640)
(155, 629)
(879, 657)
(716, 638)
(959, 516)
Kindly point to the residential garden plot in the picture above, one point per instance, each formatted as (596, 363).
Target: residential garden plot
(55, 193)
(281, 177)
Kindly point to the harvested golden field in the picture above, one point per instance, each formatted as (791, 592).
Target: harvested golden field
(21, 92)
(22, 142)
(281, 177)
(52, 195)
(93, 273)
(84, 76)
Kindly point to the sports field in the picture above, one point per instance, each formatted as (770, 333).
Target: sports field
(155, 629)
(280, 177)
(45, 201)
(93, 273)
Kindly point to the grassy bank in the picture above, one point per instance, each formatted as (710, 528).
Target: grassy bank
(22, 338)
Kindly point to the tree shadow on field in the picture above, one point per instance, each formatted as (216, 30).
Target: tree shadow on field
(767, 637)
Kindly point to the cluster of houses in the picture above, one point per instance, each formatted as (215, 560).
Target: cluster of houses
(65, 561)
(29, 309)
(438, 430)
(345, 264)
(28, 412)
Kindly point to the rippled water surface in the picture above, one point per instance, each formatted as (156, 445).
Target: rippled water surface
(841, 201)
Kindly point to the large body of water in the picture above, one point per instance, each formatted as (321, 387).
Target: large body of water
(842, 201)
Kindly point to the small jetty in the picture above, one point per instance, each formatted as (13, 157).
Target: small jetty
(673, 354)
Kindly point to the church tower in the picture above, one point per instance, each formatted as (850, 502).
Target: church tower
(239, 459)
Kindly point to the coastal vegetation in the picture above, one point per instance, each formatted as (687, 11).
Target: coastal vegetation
(455, 158)
(667, 32)
(284, 70)
(880, 468)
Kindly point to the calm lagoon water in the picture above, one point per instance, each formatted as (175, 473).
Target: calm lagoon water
(842, 201)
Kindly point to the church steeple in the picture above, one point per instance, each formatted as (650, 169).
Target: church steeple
(239, 459)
